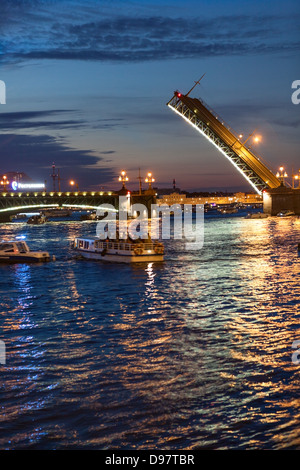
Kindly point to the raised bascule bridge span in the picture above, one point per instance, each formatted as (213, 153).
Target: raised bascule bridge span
(210, 125)
(276, 196)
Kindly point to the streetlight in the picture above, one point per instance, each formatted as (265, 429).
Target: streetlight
(123, 178)
(281, 174)
(4, 182)
(256, 138)
(72, 183)
(149, 180)
(297, 178)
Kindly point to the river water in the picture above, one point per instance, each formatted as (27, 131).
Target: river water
(196, 353)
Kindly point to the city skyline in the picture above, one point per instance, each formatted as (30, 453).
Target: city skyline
(87, 85)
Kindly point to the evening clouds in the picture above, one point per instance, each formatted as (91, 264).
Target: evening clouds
(99, 34)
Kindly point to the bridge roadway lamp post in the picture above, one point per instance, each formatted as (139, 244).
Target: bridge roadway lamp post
(149, 180)
(281, 174)
(255, 140)
(123, 178)
(296, 178)
(72, 183)
(4, 182)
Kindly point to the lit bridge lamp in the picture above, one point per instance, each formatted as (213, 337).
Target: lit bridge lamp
(296, 178)
(281, 174)
(149, 180)
(4, 182)
(123, 177)
(73, 183)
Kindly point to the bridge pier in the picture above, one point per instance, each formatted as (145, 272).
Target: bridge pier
(146, 199)
(281, 198)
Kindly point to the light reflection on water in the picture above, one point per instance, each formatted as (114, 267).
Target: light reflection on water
(191, 354)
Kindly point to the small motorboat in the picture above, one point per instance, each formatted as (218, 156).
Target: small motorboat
(90, 216)
(257, 215)
(37, 219)
(19, 252)
(285, 213)
(229, 210)
(19, 216)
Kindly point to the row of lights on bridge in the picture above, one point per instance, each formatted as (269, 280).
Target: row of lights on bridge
(122, 178)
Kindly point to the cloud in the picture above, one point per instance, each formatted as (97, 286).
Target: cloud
(294, 123)
(34, 155)
(55, 32)
(34, 120)
(27, 120)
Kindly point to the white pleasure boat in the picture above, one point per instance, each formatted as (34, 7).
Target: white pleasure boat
(19, 252)
(121, 251)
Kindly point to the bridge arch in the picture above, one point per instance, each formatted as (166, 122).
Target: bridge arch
(14, 202)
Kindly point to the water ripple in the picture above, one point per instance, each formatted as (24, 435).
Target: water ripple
(193, 354)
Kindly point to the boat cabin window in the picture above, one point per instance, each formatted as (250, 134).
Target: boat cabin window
(7, 247)
(22, 247)
(83, 244)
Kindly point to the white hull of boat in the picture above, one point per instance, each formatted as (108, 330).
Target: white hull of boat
(119, 258)
(19, 252)
(119, 251)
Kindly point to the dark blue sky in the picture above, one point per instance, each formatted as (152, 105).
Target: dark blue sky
(88, 82)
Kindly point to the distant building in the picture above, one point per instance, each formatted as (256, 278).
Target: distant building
(164, 191)
(237, 198)
(20, 177)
